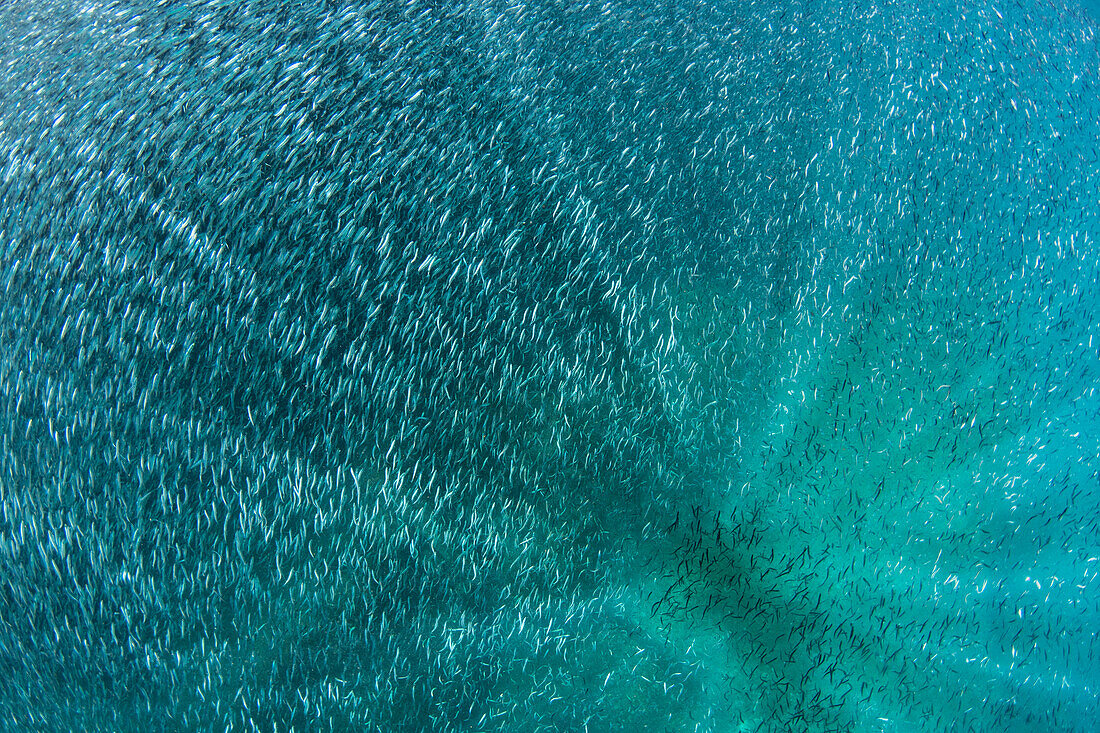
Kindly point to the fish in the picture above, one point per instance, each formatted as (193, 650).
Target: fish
(438, 366)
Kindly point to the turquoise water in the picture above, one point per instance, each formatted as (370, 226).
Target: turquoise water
(533, 366)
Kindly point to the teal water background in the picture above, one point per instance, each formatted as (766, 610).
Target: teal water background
(535, 366)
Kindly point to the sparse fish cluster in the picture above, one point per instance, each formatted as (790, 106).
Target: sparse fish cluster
(532, 366)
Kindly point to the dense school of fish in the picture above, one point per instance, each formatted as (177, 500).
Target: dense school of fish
(500, 365)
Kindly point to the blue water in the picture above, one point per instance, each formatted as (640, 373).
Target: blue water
(525, 366)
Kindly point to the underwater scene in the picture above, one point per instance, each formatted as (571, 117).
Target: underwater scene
(528, 365)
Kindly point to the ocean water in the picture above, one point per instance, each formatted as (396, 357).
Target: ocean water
(538, 366)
